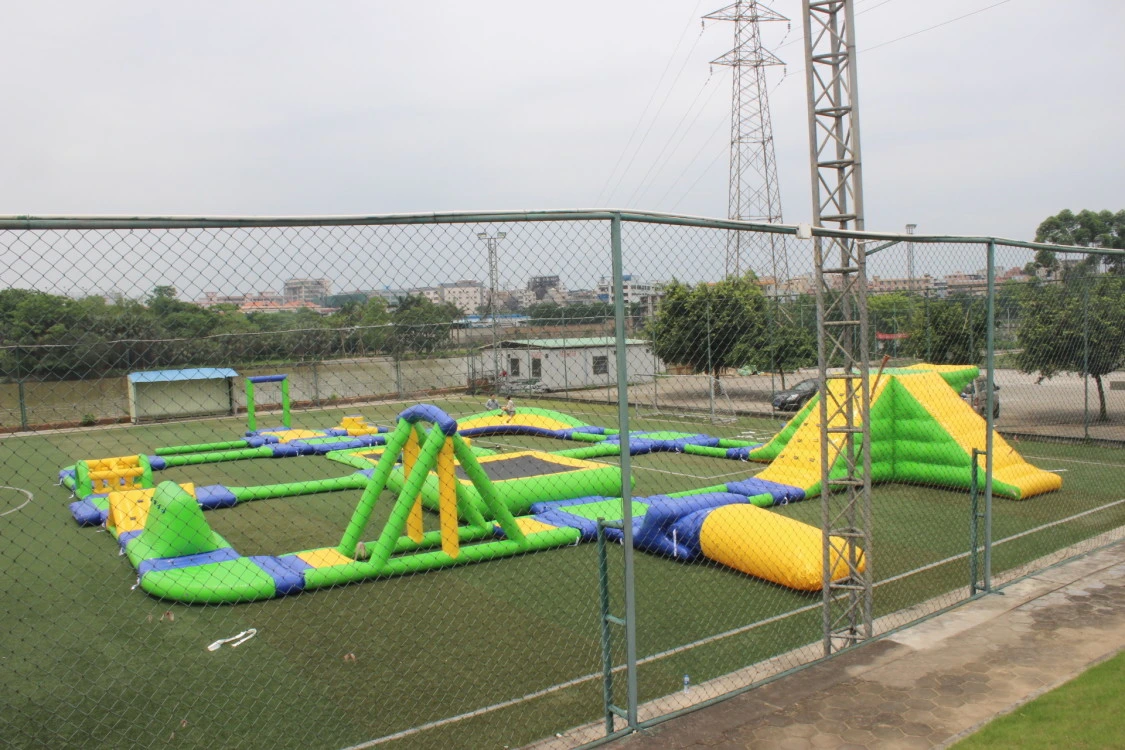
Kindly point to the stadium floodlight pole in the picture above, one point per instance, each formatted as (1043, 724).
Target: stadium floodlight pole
(492, 241)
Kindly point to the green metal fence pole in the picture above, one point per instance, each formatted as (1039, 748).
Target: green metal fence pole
(607, 646)
(710, 370)
(974, 523)
(23, 394)
(990, 397)
(1086, 356)
(626, 470)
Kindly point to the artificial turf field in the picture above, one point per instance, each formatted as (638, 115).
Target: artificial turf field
(85, 660)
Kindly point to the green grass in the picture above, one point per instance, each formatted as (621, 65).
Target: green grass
(87, 661)
(1083, 714)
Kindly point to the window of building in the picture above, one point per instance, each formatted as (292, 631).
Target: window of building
(536, 368)
(514, 367)
(601, 365)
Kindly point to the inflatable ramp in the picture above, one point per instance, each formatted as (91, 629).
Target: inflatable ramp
(921, 432)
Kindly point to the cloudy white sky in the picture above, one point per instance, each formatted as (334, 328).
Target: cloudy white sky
(985, 125)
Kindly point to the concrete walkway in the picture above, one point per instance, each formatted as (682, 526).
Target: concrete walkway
(933, 683)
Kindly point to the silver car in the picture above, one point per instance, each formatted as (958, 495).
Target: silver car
(975, 395)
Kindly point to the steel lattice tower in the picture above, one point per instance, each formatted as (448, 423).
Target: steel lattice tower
(841, 300)
(754, 193)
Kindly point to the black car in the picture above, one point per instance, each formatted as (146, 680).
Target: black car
(792, 399)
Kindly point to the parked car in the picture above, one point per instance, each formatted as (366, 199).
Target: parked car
(974, 394)
(792, 399)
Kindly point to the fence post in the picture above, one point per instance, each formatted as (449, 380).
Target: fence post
(1087, 278)
(626, 471)
(23, 394)
(710, 367)
(990, 396)
(974, 523)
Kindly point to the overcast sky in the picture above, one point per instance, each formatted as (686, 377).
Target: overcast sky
(986, 125)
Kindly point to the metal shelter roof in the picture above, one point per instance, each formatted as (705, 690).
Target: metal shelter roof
(169, 376)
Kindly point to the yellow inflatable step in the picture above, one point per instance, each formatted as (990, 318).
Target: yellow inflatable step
(768, 545)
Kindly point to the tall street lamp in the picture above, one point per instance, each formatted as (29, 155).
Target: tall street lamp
(492, 241)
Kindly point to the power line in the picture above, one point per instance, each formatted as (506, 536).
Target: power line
(935, 26)
(655, 117)
(652, 96)
(645, 184)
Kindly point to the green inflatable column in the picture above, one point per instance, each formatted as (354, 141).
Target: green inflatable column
(427, 459)
(375, 485)
(175, 527)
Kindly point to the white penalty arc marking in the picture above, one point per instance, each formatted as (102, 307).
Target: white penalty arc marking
(21, 505)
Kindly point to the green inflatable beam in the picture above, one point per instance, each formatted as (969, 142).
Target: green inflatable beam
(375, 485)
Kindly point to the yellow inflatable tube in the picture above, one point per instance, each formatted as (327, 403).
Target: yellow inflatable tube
(768, 545)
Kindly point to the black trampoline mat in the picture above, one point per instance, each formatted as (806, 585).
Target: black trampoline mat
(519, 467)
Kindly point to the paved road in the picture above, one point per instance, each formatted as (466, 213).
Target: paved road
(1050, 407)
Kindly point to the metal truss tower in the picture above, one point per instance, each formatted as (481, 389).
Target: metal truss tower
(841, 300)
(754, 193)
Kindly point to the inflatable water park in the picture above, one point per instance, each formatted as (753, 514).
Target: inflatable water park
(491, 505)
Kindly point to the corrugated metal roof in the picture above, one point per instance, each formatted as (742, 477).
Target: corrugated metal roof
(169, 376)
(599, 341)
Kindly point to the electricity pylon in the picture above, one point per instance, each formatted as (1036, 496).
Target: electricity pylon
(754, 193)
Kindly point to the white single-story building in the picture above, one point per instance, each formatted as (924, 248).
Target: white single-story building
(561, 364)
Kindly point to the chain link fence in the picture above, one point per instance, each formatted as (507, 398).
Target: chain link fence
(199, 551)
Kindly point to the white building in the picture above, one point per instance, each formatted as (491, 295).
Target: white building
(432, 293)
(633, 290)
(306, 290)
(562, 364)
(467, 295)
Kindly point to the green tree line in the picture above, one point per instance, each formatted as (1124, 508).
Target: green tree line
(48, 336)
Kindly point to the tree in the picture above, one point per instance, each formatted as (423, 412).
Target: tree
(710, 326)
(948, 331)
(1102, 229)
(1074, 325)
(422, 326)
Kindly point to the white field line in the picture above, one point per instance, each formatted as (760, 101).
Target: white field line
(1079, 461)
(21, 505)
(703, 641)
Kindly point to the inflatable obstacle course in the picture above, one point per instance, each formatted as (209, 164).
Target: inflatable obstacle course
(165, 535)
(922, 432)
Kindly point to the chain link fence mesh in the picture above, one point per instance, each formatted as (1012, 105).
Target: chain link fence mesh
(369, 319)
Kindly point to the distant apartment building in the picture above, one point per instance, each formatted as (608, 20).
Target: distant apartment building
(581, 296)
(432, 293)
(306, 290)
(632, 290)
(545, 289)
(257, 306)
(972, 284)
(467, 295)
(918, 284)
(210, 299)
(796, 286)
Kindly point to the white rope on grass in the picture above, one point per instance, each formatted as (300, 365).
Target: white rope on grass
(21, 505)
